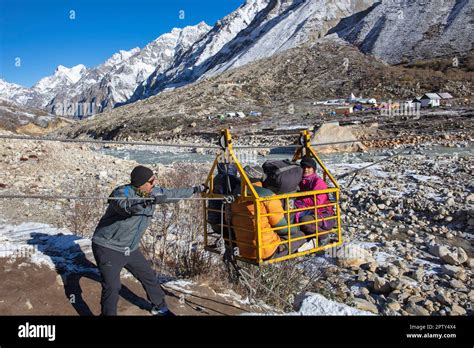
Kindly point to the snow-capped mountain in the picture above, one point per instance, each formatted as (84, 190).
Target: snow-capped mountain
(115, 80)
(395, 31)
(406, 30)
(44, 90)
(63, 78)
(256, 30)
(18, 94)
(110, 83)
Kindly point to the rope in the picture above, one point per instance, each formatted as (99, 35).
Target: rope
(357, 171)
(116, 142)
(12, 196)
(187, 293)
(404, 137)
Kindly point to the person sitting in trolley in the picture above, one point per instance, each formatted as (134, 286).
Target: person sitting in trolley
(243, 222)
(225, 182)
(312, 182)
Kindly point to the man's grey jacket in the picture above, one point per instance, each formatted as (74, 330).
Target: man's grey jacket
(125, 220)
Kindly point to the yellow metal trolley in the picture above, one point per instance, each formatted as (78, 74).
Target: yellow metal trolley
(249, 194)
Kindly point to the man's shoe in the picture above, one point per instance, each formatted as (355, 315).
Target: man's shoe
(161, 311)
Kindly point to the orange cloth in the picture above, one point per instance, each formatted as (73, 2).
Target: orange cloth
(245, 228)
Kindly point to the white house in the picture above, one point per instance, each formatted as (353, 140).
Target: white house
(430, 100)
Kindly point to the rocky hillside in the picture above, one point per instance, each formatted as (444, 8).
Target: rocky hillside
(406, 30)
(27, 120)
(292, 79)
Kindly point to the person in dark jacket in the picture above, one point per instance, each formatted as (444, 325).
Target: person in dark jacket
(224, 178)
(116, 239)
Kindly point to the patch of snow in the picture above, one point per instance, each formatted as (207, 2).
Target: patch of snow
(317, 304)
(42, 244)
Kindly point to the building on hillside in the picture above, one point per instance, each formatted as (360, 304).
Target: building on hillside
(430, 100)
(446, 99)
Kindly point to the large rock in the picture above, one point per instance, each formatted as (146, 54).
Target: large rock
(457, 257)
(443, 298)
(381, 285)
(471, 297)
(365, 305)
(438, 250)
(332, 132)
(392, 270)
(393, 305)
(454, 271)
(415, 309)
(352, 256)
(457, 310)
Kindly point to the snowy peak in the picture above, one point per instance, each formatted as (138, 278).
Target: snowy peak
(114, 81)
(18, 94)
(63, 77)
(407, 30)
(121, 56)
(256, 30)
(72, 74)
(228, 28)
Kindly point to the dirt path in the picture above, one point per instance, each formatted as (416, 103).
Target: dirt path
(31, 289)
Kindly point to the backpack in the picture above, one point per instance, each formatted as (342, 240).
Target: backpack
(282, 176)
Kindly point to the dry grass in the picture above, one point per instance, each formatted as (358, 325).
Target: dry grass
(85, 214)
(278, 285)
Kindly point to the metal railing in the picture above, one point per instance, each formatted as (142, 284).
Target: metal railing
(256, 215)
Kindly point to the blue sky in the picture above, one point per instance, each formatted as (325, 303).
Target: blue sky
(42, 35)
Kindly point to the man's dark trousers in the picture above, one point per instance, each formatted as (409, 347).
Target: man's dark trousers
(110, 263)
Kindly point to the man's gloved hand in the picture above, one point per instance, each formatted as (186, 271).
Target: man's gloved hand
(159, 199)
(200, 188)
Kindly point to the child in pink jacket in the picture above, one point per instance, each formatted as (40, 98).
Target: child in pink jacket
(312, 182)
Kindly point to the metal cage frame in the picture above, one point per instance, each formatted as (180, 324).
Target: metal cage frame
(249, 194)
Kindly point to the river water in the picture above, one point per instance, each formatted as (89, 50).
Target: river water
(148, 155)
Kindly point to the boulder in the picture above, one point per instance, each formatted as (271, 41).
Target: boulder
(331, 132)
(365, 305)
(393, 305)
(415, 309)
(352, 256)
(454, 271)
(392, 270)
(381, 286)
(443, 298)
(438, 250)
(457, 310)
(457, 257)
